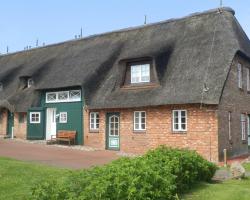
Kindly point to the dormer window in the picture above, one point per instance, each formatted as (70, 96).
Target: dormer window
(30, 82)
(140, 73)
(1, 87)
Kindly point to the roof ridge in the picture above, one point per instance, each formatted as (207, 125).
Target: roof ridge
(227, 9)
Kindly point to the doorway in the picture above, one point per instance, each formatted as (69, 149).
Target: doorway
(113, 131)
(50, 123)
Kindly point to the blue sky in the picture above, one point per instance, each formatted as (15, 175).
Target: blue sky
(52, 21)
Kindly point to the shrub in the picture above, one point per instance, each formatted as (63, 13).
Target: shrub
(159, 174)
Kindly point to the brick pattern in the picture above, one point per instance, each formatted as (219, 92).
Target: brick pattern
(3, 123)
(20, 129)
(237, 101)
(201, 135)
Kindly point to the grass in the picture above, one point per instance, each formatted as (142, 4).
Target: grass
(17, 177)
(232, 189)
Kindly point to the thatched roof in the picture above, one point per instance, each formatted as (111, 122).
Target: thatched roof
(189, 52)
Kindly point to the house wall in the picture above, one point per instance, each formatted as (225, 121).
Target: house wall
(74, 115)
(20, 128)
(3, 122)
(201, 135)
(237, 101)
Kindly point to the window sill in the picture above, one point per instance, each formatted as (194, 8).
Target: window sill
(139, 131)
(94, 131)
(136, 86)
(179, 132)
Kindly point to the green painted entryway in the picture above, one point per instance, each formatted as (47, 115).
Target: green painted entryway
(10, 123)
(113, 131)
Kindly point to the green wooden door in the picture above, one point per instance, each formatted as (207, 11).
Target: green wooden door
(113, 131)
(10, 123)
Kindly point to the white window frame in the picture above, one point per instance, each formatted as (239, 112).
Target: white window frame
(36, 121)
(30, 82)
(239, 74)
(57, 100)
(63, 119)
(248, 79)
(180, 129)
(63, 100)
(95, 121)
(140, 73)
(140, 121)
(75, 99)
(243, 126)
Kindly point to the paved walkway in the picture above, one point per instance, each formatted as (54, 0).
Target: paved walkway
(53, 155)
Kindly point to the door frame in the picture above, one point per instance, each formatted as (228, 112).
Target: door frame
(46, 134)
(108, 115)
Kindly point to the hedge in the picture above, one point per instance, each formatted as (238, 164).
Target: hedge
(159, 174)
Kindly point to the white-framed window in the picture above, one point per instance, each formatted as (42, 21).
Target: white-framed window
(63, 118)
(75, 95)
(94, 121)
(35, 117)
(248, 79)
(243, 126)
(179, 120)
(1, 87)
(239, 72)
(30, 82)
(139, 120)
(140, 73)
(63, 96)
(229, 125)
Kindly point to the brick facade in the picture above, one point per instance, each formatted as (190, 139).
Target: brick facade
(3, 122)
(20, 128)
(201, 134)
(236, 101)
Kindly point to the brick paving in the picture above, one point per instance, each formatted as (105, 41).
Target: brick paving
(54, 155)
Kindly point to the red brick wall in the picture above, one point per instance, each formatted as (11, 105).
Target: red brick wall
(201, 135)
(20, 128)
(3, 123)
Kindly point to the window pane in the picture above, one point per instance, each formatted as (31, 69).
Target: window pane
(136, 126)
(137, 114)
(143, 114)
(145, 73)
(143, 126)
(63, 96)
(176, 126)
(183, 126)
(51, 97)
(183, 120)
(75, 95)
(143, 120)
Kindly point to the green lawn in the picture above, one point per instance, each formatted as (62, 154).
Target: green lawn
(17, 179)
(228, 190)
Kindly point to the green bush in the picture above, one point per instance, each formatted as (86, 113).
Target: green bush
(159, 174)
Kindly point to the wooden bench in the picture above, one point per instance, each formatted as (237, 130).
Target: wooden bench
(64, 135)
